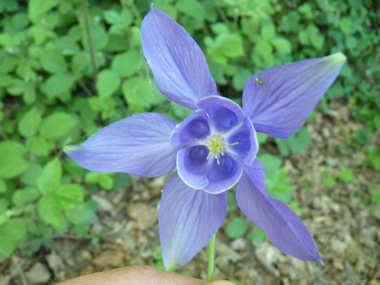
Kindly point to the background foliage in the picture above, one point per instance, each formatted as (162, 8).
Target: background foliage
(69, 67)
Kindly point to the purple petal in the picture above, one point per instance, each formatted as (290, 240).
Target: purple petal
(136, 145)
(223, 176)
(224, 113)
(200, 172)
(178, 64)
(192, 165)
(247, 145)
(188, 218)
(279, 99)
(193, 128)
(282, 226)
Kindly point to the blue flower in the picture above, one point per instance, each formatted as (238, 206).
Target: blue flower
(215, 147)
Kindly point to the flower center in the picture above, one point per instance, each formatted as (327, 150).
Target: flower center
(216, 146)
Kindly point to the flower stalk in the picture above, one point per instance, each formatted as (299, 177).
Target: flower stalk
(211, 258)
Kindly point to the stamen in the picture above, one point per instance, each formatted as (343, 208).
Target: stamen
(217, 146)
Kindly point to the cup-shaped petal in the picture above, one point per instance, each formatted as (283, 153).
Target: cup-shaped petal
(279, 99)
(178, 64)
(243, 142)
(136, 145)
(282, 226)
(223, 175)
(194, 128)
(201, 171)
(188, 218)
(224, 113)
(192, 165)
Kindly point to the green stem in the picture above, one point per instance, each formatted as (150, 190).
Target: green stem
(211, 259)
(89, 38)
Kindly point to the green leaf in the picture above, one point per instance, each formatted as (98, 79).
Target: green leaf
(6, 80)
(346, 175)
(281, 45)
(112, 17)
(375, 197)
(231, 45)
(257, 236)
(12, 233)
(108, 82)
(80, 62)
(3, 186)
(138, 92)
(69, 196)
(38, 146)
(126, 64)
(192, 8)
(12, 163)
(29, 123)
(236, 228)
(53, 62)
(48, 208)
(220, 28)
(50, 177)
(81, 213)
(57, 84)
(30, 175)
(37, 8)
(268, 31)
(20, 198)
(56, 125)
(240, 78)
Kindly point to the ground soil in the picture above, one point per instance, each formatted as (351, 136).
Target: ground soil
(342, 219)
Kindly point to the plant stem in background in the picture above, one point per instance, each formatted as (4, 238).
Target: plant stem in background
(211, 258)
(89, 38)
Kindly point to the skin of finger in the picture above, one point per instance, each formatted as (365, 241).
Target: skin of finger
(138, 275)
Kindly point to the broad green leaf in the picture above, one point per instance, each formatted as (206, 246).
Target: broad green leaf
(12, 147)
(137, 91)
(81, 213)
(192, 8)
(56, 125)
(48, 208)
(6, 80)
(220, 28)
(281, 45)
(126, 64)
(11, 165)
(268, 31)
(80, 62)
(70, 195)
(240, 78)
(8, 64)
(53, 62)
(3, 186)
(37, 8)
(20, 198)
(231, 45)
(108, 82)
(236, 228)
(50, 177)
(99, 37)
(112, 17)
(57, 84)
(12, 233)
(30, 175)
(38, 145)
(29, 123)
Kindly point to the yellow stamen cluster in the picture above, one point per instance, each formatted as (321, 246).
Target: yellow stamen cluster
(217, 146)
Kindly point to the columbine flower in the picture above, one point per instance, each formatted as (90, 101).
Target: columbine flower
(213, 148)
